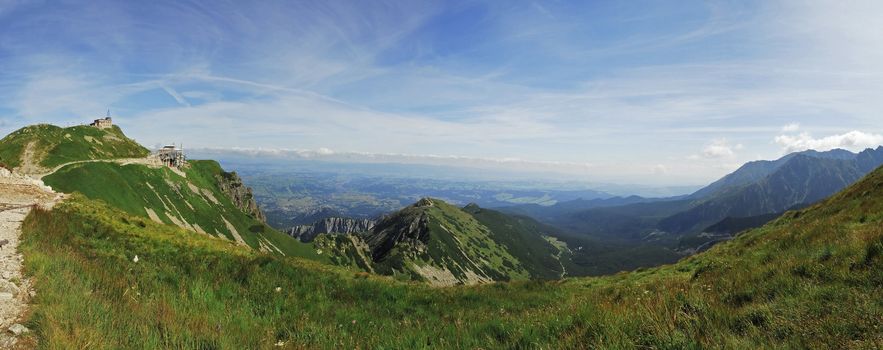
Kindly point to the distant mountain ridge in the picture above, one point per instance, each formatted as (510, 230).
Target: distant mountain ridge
(757, 170)
(755, 190)
(800, 180)
(331, 225)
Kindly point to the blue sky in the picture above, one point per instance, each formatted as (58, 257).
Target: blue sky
(654, 92)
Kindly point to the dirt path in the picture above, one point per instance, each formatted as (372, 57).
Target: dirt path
(29, 164)
(148, 161)
(562, 247)
(18, 195)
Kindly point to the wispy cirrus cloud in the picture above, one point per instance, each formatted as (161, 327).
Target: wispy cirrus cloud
(629, 87)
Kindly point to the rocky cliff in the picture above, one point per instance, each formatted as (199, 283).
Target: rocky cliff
(241, 195)
(333, 225)
(408, 228)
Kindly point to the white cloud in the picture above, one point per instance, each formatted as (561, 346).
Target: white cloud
(324, 151)
(659, 169)
(720, 148)
(791, 127)
(853, 140)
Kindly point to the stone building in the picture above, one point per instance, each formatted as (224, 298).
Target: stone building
(104, 123)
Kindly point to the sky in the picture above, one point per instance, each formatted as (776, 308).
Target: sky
(650, 92)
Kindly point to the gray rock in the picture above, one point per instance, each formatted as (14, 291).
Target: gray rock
(7, 342)
(332, 225)
(18, 329)
(241, 195)
(8, 287)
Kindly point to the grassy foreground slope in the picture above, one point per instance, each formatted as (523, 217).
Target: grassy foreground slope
(194, 202)
(41, 147)
(811, 279)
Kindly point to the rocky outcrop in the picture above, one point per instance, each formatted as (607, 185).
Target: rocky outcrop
(241, 195)
(408, 227)
(333, 225)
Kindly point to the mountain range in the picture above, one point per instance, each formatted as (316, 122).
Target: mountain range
(140, 256)
(755, 190)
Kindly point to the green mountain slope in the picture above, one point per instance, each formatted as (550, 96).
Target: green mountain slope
(442, 244)
(201, 197)
(810, 279)
(526, 240)
(438, 242)
(195, 202)
(39, 148)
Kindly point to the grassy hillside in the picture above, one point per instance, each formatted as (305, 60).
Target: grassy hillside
(810, 279)
(194, 202)
(41, 147)
(437, 242)
(524, 238)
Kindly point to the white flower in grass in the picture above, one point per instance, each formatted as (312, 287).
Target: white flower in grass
(278, 289)
(135, 259)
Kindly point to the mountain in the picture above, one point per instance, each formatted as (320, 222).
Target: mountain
(441, 244)
(104, 164)
(808, 280)
(757, 170)
(800, 180)
(869, 159)
(756, 189)
(333, 225)
(38, 149)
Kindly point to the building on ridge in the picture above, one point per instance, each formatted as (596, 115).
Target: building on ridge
(172, 156)
(103, 123)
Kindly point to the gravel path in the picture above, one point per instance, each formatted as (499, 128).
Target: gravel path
(150, 161)
(18, 195)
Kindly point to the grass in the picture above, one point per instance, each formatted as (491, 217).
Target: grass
(195, 201)
(53, 145)
(523, 238)
(811, 279)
